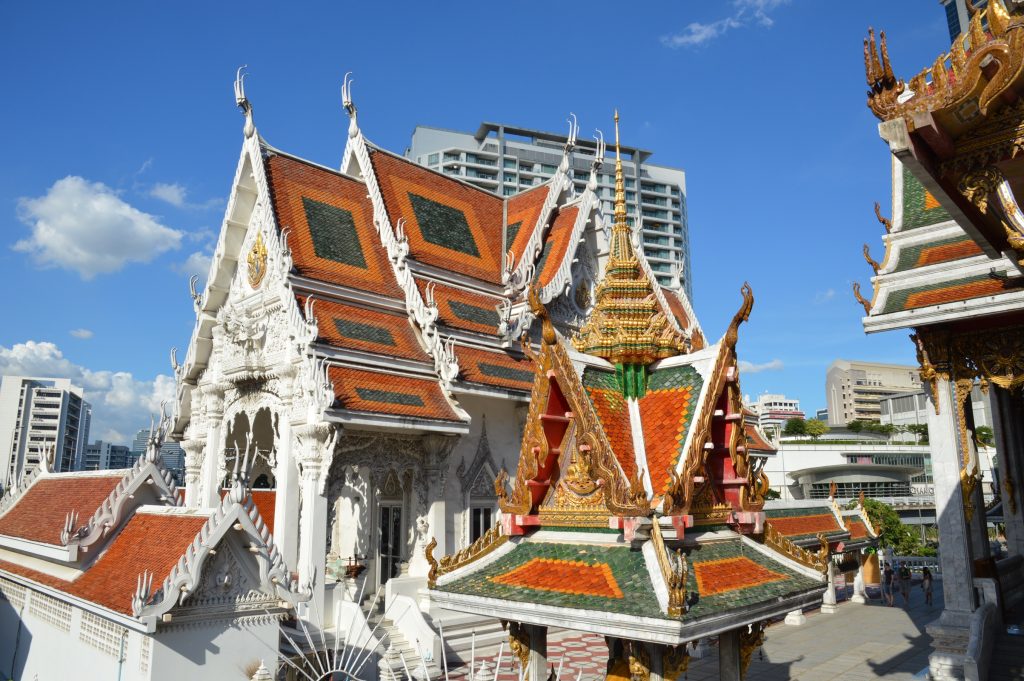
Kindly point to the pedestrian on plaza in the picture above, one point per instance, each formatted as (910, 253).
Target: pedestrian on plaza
(888, 579)
(926, 585)
(904, 574)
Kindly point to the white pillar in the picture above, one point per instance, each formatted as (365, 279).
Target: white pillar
(795, 618)
(537, 668)
(315, 439)
(828, 600)
(860, 592)
(286, 496)
(950, 632)
(209, 477)
(193, 470)
(1008, 429)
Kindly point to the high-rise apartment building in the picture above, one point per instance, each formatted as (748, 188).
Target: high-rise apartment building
(854, 389)
(774, 410)
(506, 159)
(171, 453)
(36, 413)
(958, 16)
(102, 455)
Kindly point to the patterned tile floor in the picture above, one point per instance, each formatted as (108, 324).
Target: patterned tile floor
(859, 642)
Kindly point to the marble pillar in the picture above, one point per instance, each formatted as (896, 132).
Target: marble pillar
(828, 600)
(1008, 428)
(194, 449)
(286, 497)
(729, 655)
(860, 592)
(208, 495)
(315, 439)
(795, 618)
(950, 632)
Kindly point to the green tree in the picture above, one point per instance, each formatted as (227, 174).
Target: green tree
(772, 494)
(795, 427)
(920, 430)
(984, 435)
(891, 530)
(855, 426)
(815, 428)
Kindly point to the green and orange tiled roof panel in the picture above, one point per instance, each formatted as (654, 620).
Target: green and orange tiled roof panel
(799, 523)
(330, 226)
(382, 393)
(912, 256)
(725, 575)
(495, 368)
(556, 244)
(613, 413)
(358, 328)
(523, 212)
(666, 414)
(461, 309)
(920, 207)
(449, 224)
(938, 293)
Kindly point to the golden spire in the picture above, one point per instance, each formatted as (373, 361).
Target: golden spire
(627, 326)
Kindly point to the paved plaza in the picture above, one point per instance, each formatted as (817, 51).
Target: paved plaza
(858, 642)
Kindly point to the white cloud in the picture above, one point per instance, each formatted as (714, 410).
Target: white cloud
(197, 263)
(174, 194)
(84, 334)
(822, 297)
(87, 228)
(744, 13)
(751, 368)
(121, 403)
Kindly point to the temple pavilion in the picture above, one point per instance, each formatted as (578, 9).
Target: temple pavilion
(953, 274)
(636, 509)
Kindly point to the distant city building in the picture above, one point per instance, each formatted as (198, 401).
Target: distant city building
(506, 159)
(171, 452)
(102, 455)
(36, 413)
(774, 410)
(907, 410)
(854, 389)
(958, 17)
(821, 415)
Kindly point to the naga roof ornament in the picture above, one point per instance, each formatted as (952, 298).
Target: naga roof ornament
(627, 326)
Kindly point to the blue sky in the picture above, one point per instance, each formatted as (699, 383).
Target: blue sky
(122, 139)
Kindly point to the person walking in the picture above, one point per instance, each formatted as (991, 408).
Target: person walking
(926, 585)
(904, 575)
(888, 579)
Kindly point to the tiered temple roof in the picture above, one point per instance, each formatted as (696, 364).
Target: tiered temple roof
(636, 510)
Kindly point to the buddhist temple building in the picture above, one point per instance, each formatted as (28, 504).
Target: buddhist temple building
(636, 509)
(953, 274)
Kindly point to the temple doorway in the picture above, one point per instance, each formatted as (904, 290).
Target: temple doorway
(390, 524)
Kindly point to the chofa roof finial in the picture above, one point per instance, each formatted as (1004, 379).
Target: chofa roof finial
(346, 101)
(243, 102)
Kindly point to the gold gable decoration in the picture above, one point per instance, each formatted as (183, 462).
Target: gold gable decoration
(627, 327)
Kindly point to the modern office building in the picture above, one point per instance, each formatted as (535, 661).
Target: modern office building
(171, 452)
(774, 410)
(506, 159)
(958, 16)
(854, 389)
(100, 456)
(36, 413)
(821, 415)
(906, 410)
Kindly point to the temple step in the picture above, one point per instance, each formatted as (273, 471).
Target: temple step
(458, 637)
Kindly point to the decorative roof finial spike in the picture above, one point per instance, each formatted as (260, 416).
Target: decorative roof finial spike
(346, 101)
(243, 102)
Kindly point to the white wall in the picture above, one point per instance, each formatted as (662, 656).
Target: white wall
(219, 650)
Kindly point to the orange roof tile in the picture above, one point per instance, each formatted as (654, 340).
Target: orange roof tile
(40, 512)
(666, 415)
(462, 309)
(358, 328)
(754, 440)
(857, 529)
(380, 393)
(342, 245)
(495, 367)
(732, 574)
(613, 413)
(523, 212)
(563, 576)
(449, 224)
(556, 244)
(265, 501)
(676, 307)
(149, 541)
(799, 525)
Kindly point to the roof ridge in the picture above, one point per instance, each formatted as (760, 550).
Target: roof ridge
(266, 147)
(373, 147)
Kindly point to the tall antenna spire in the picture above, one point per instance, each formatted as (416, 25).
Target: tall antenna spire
(620, 183)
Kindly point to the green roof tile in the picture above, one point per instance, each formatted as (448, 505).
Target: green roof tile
(475, 314)
(498, 371)
(389, 397)
(510, 234)
(915, 214)
(443, 225)
(334, 233)
(364, 332)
